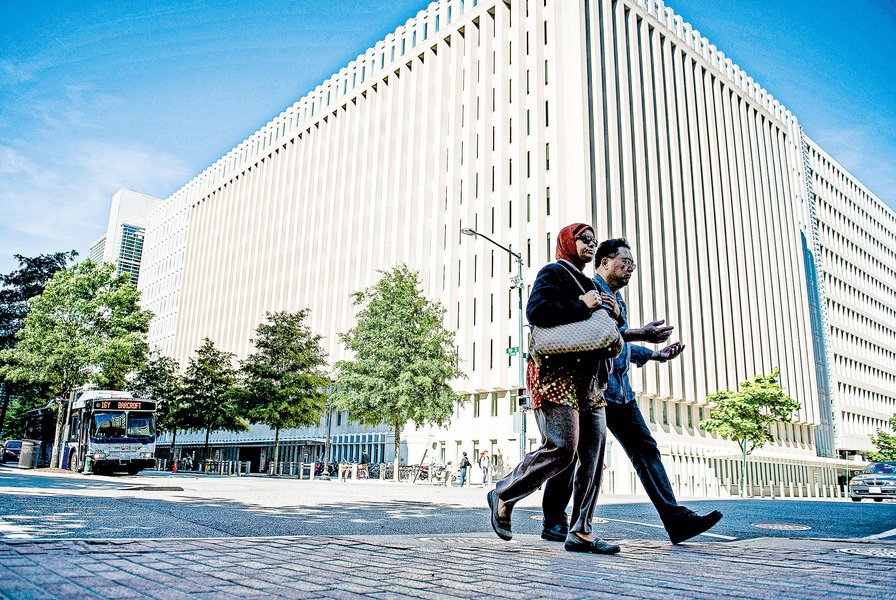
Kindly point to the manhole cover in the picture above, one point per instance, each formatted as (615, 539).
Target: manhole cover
(781, 526)
(594, 520)
(880, 552)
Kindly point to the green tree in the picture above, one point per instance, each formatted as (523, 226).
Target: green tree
(19, 286)
(158, 380)
(746, 416)
(208, 395)
(85, 327)
(885, 444)
(403, 357)
(282, 381)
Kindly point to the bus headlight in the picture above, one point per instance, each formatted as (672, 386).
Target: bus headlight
(99, 456)
(146, 455)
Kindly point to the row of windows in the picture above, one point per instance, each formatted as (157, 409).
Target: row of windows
(859, 323)
(836, 268)
(854, 424)
(849, 342)
(871, 233)
(859, 371)
(857, 397)
(846, 188)
(840, 246)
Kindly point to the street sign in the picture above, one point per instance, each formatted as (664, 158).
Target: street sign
(513, 351)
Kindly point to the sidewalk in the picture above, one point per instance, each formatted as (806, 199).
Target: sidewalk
(387, 567)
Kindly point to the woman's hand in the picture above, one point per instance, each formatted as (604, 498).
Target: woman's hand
(591, 299)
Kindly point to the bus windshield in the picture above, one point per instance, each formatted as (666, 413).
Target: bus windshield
(141, 424)
(108, 425)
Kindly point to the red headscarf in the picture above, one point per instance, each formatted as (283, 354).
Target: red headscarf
(566, 243)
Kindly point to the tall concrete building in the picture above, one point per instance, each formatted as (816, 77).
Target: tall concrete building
(857, 257)
(515, 119)
(122, 244)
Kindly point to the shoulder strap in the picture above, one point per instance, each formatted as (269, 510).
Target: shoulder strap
(566, 265)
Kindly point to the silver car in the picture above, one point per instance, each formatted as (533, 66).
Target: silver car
(877, 481)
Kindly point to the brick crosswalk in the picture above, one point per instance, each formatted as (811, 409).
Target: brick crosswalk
(385, 567)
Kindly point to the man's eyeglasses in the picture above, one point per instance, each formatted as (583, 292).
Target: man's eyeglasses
(586, 239)
(628, 263)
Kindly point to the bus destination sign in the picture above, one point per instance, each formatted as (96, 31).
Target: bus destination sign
(130, 404)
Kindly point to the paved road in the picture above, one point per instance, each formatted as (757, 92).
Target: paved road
(323, 544)
(164, 505)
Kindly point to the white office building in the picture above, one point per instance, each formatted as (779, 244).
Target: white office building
(516, 119)
(122, 244)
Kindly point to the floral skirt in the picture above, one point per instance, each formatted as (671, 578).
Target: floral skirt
(568, 382)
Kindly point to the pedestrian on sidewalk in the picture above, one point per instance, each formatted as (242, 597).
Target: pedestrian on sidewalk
(362, 467)
(614, 266)
(484, 464)
(464, 465)
(566, 396)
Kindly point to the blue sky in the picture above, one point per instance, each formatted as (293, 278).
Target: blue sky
(97, 96)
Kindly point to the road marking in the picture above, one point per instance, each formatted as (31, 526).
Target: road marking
(880, 536)
(10, 531)
(715, 535)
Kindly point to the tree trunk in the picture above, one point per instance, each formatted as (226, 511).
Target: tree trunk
(205, 448)
(743, 475)
(276, 449)
(173, 439)
(397, 449)
(57, 437)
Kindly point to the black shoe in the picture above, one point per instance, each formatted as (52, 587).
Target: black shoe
(576, 544)
(500, 524)
(687, 524)
(555, 533)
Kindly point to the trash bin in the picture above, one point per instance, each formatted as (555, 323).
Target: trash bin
(28, 456)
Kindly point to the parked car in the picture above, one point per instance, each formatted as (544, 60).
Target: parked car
(877, 481)
(11, 450)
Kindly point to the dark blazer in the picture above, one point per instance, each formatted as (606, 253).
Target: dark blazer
(554, 299)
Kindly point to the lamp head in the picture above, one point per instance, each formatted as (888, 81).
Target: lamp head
(468, 231)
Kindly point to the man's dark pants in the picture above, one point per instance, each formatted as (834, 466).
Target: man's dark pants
(627, 425)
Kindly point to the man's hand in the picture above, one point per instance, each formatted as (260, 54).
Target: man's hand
(655, 333)
(668, 353)
(609, 302)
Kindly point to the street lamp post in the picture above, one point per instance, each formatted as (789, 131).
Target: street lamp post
(515, 282)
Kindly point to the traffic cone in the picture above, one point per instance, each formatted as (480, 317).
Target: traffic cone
(174, 467)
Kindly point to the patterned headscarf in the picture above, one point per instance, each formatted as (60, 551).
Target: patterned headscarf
(566, 243)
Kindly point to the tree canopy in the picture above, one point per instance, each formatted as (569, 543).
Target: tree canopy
(86, 326)
(283, 384)
(157, 380)
(403, 357)
(745, 416)
(885, 444)
(26, 282)
(208, 398)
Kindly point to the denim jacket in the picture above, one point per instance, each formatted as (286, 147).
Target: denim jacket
(618, 388)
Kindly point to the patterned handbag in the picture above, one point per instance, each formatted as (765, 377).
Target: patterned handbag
(598, 334)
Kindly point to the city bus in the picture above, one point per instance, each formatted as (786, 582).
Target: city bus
(110, 431)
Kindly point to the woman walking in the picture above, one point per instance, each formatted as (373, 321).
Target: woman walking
(566, 396)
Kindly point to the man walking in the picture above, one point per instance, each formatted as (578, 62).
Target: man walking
(464, 465)
(614, 267)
